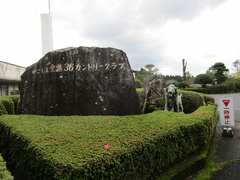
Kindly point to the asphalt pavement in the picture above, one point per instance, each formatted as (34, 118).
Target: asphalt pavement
(228, 148)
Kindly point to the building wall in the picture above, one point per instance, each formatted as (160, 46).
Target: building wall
(10, 77)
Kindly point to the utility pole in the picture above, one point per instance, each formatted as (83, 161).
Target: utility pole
(184, 65)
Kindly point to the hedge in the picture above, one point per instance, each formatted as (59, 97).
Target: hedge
(73, 147)
(4, 173)
(228, 87)
(2, 109)
(208, 100)
(9, 104)
(16, 102)
(191, 101)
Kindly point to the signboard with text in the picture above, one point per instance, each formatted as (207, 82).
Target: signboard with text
(226, 111)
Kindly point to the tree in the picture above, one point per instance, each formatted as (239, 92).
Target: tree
(210, 71)
(151, 68)
(146, 75)
(236, 65)
(219, 72)
(189, 78)
(203, 79)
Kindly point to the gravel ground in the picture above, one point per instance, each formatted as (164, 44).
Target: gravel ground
(228, 148)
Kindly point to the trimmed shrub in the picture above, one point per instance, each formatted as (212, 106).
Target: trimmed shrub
(203, 79)
(4, 173)
(219, 89)
(198, 89)
(227, 87)
(73, 147)
(209, 100)
(16, 101)
(2, 109)
(191, 101)
(182, 84)
(8, 104)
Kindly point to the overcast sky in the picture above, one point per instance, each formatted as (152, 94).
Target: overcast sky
(159, 32)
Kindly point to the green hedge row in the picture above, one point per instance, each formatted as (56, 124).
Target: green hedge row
(4, 173)
(104, 147)
(9, 104)
(217, 89)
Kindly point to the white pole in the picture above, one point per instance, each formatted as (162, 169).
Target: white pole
(49, 9)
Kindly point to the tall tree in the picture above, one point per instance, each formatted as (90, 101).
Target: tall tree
(219, 72)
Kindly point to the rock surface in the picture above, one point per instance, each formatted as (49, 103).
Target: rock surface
(80, 81)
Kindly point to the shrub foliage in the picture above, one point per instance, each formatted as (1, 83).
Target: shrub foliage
(73, 147)
(203, 79)
(9, 104)
(191, 101)
(4, 173)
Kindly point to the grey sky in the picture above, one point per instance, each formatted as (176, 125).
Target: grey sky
(159, 32)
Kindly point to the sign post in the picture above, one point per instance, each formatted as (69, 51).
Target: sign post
(226, 112)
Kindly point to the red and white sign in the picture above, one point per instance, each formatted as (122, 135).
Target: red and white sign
(226, 111)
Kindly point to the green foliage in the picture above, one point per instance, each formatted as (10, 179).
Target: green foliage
(203, 79)
(138, 83)
(2, 109)
(72, 147)
(227, 87)
(198, 89)
(236, 65)
(16, 101)
(234, 82)
(151, 68)
(144, 76)
(182, 84)
(191, 101)
(219, 74)
(8, 104)
(209, 100)
(172, 77)
(139, 90)
(4, 173)
(158, 105)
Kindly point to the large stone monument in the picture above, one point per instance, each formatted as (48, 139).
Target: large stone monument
(80, 81)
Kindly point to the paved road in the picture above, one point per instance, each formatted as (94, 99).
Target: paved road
(228, 148)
